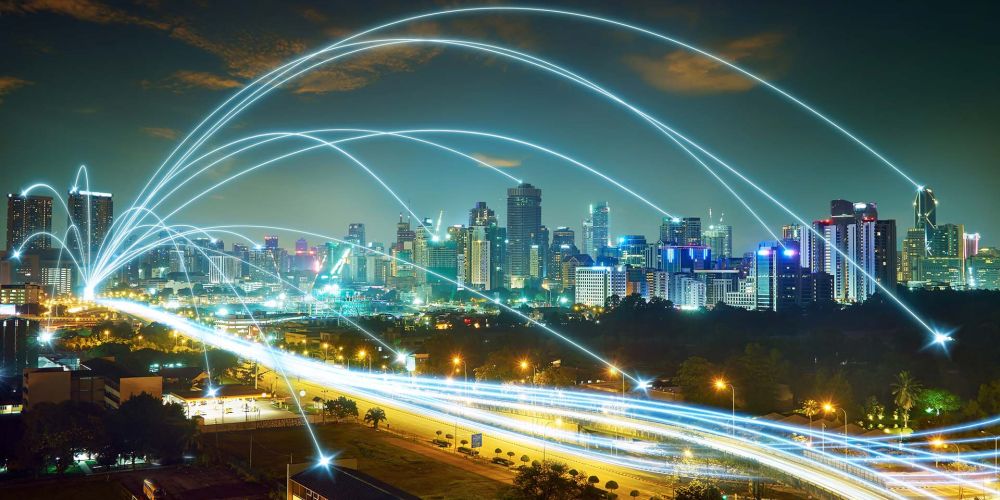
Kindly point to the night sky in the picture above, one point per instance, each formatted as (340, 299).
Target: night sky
(115, 86)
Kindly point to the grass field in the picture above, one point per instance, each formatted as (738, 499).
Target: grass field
(375, 452)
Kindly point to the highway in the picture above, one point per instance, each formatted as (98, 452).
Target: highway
(543, 422)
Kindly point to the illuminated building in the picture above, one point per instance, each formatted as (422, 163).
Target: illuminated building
(18, 347)
(684, 259)
(914, 249)
(719, 238)
(982, 271)
(569, 265)
(593, 285)
(93, 214)
(27, 215)
(672, 231)
(687, 291)
(563, 245)
(851, 235)
(223, 269)
(21, 294)
(886, 253)
(632, 250)
(718, 282)
(600, 235)
(971, 245)
(925, 209)
(524, 221)
(657, 284)
(692, 231)
(356, 234)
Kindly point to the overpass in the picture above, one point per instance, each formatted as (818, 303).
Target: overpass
(637, 445)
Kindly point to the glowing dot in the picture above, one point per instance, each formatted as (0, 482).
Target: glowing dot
(325, 461)
(942, 338)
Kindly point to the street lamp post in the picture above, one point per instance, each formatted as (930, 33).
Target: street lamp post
(457, 360)
(828, 408)
(326, 348)
(612, 371)
(524, 364)
(996, 472)
(722, 384)
(545, 440)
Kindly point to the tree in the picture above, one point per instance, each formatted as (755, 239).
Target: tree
(810, 408)
(342, 407)
(593, 480)
(525, 459)
(698, 490)
(694, 377)
(634, 493)
(55, 433)
(611, 486)
(988, 398)
(555, 376)
(145, 427)
(759, 372)
(551, 481)
(497, 452)
(375, 416)
(905, 389)
(939, 400)
(874, 413)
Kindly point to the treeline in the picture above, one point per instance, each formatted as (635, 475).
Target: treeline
(49, 436)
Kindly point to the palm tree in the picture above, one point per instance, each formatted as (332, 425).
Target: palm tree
(511, 455)
(375, 416)
(905, 389)
(810, 408)
(498, 451)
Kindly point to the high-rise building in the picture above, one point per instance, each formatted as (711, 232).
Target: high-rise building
(672, 231)
(983, 270)
(18, 347)
(971, 245)
(600, 217)
(481, 215)
(778, 277)
(850, 235)
(563, 244)
(925, 209)
(886, 253)
(791, 232)
(93, 213)
(632, 251)
(588, 235)
(28, 215)
(719, 238)
(914, 249)
(947, 240)
(692, 231)
(223, 269)
(595, 284)
(270, 242)
(687, 291)
(524, 222)
(356, 234)
(569, 265)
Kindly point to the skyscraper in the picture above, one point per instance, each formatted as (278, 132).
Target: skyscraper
(600, 218)
(850, 234)
(356, 234)
(27, 215)
(719, 237)
(481, 215)
(925, 209)
(563, 245)
(692, 231)
(672, 231)
(524, 221)
(93, 214)
(886, 253)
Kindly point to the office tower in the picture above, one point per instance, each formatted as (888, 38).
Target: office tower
(524, 221)
(672, 231)
(481, 215)
(356, 234)
(971, 245)
(791, 232)
(18, 348)
(270, 242)
(421, 240)
(719, 238)
(778, 277)
(588, 236)
(692, 230)
(563, 245)
(925, 209)
(657, 284)
(684, 259)
(404, 234)
(28, 215)
(983, 270)
(600, 217)
(947, 240)
(93, 214)
(595, 284)
(242, 252)
(632, 251)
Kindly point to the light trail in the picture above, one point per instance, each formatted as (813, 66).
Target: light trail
(427, 399)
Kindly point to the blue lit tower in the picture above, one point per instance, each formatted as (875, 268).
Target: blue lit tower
(524, 222)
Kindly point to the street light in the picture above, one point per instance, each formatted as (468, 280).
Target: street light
(524, 364)
(325, 347)
(829, 408)
(545, 441)
(720, 385)
(995, 470)
(612, 371)
(457, 360)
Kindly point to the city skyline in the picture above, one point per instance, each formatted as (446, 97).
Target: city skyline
(826, 165)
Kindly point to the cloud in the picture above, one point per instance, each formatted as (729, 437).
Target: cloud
(686, 72)
(185, 79)
(496, 161)
(9, 84)
(161, 132)
(84, 10)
